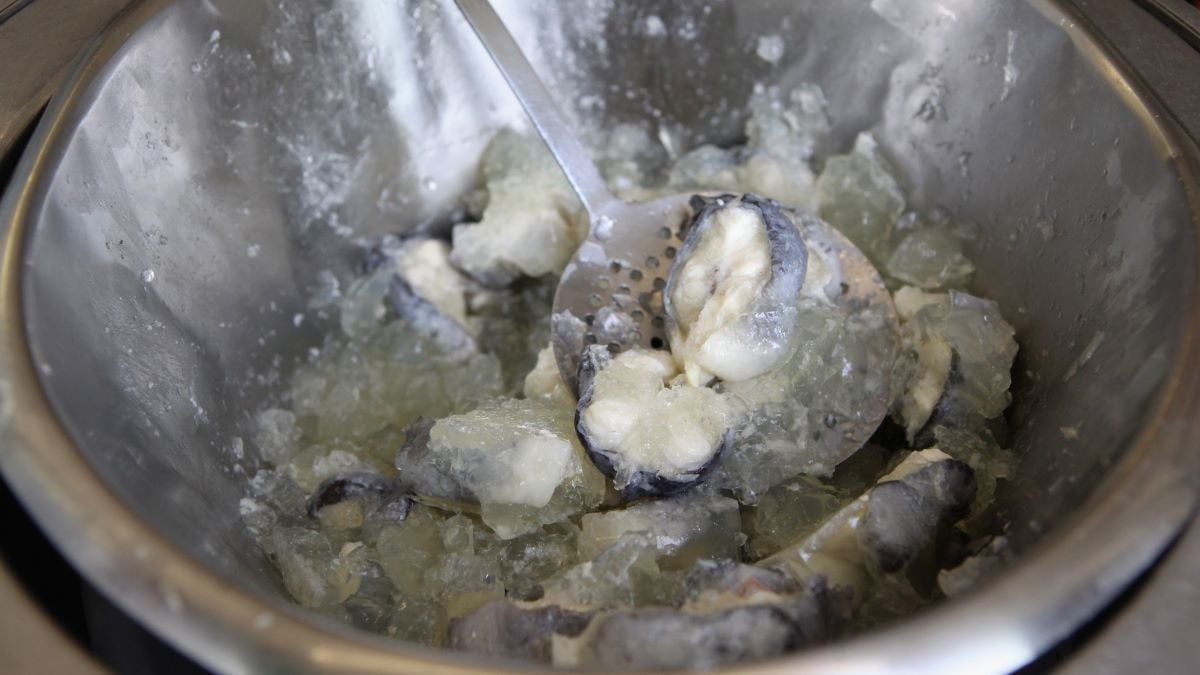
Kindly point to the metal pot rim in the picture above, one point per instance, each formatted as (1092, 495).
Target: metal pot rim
(1129, 520)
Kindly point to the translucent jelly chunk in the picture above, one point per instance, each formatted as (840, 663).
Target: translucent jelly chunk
(984, 343)
(793, 126)
(466, 581)
(321, 462)
(314, 573)
(346, 515)
(931, 258)
(712, 169)
(532, 223)
(815, 410)
(956, 368)
(370, 608)
(419, 620)
(434, 560)
(363, 309)
(858, 194)
(788, 181)
(891, 597)
(388, 376)
(390, 510)
(520, 460)
(686, 528)
(458, 535)
(784, 132)
(379, 449)
(909, 300)
(623, 575)
(407, 549)
(513, 326)
(715, 169)
(789, 512)
(258, 517)
(275, 490)
(631, 161)
(528, 560)
(859, 471)
(705, 168)
(276, 435)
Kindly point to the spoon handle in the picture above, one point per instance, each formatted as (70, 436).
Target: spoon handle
(539, 105)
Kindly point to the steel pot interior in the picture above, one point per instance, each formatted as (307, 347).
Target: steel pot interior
(212, 160)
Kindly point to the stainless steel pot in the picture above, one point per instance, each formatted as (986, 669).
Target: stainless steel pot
(207, 162)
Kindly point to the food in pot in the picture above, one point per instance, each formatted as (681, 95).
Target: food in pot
(738, 494)
(518, 461)
(645, 426)
(731, 295)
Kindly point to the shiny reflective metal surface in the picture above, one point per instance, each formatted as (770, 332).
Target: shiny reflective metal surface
(138, 329)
